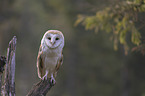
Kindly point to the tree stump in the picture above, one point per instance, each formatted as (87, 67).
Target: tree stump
(8, 88)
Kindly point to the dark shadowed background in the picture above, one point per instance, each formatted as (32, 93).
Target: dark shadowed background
(91, 67)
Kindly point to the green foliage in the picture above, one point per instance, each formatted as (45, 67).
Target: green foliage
(118, 20)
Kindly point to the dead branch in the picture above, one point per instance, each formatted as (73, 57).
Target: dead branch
(9, 80)
(2, 64)
(41, 88)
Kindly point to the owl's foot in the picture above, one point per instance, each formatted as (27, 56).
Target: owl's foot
(52, 80)
(45, 76)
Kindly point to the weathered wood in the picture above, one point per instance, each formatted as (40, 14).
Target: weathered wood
(2, 64)
(9, 80)
(41, 88)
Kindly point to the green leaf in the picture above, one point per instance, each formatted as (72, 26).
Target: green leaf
(124, 21)
(80, 18)
(122, 37)
(135, 36)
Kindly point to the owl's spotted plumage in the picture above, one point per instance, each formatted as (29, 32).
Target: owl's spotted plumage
(50, 55)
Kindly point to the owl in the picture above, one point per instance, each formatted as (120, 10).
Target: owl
(50, 55)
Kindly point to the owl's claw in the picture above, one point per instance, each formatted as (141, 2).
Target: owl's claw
(52, 80)
(45, 76)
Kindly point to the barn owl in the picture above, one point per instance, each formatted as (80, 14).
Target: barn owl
(50, 55)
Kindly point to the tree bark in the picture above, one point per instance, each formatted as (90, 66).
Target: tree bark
(41, 88)
(2, 64)
(9, 80)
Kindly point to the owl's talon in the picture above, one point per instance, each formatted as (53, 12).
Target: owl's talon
(44, 78)
(52, 80)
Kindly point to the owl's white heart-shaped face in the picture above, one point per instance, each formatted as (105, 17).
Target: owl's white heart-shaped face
(54, 38)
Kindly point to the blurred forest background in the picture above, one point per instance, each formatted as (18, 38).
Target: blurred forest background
(91, 66)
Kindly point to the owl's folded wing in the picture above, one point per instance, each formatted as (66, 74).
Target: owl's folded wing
(59, 63)
(40, 64)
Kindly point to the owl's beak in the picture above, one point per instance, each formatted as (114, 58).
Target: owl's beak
(52, 42)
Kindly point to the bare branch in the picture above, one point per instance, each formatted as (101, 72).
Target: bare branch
(41, 88)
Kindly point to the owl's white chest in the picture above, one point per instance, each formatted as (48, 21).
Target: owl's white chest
(50, 62)
(51, 58)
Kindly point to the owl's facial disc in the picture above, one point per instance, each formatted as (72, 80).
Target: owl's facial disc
(53, 40)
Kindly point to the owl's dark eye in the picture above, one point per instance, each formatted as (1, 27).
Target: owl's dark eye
(49, 38)
(57, 39)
